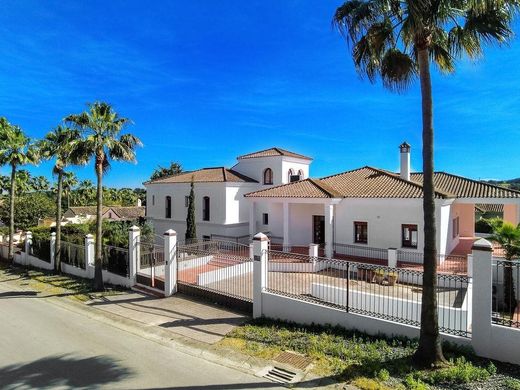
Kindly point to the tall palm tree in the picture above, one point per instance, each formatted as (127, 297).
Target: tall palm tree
(102, 142)
(69, 182)
(39, 183)
(58, 144)
(16, 150)
(396, 41)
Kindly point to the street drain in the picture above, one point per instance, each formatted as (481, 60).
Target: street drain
(296, 360)
(280, 375)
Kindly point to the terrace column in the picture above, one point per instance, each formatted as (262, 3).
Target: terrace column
(260, 267)
(482, 292)
(170, 266)
(286, 225)
(252, 218)
(133, 252)
(329, 220)
(89, 255)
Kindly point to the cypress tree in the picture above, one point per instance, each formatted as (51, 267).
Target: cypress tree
(191, 228)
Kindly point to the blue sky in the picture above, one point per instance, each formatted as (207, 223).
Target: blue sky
(206, 81)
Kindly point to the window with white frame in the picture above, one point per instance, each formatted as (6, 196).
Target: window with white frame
(409, 236)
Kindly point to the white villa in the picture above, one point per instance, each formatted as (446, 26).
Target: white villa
(270, 191)
(221, 209)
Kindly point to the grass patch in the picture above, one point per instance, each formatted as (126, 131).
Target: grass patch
(48, 284)
(366, 361)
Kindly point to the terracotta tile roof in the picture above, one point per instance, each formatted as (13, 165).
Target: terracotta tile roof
(366, 182)
(206, 175)
(308, 188)
(463, 187)
(491, 208)
(84, 210)
(129, 212)
(273, 152)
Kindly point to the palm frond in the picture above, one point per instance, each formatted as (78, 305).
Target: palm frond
(398, 70)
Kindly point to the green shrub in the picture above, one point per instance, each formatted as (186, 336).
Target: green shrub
(483, 226)
(512, 384)
(383, 375)
(414, 384)
(460, 371)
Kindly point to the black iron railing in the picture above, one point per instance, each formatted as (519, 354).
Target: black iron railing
(73, 254)
(116, 260)
(506, 293)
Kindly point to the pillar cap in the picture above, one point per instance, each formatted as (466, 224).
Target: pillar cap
(90, 236)
(134, 229)
(482, 245)
(260, 237)
(170, 232)
(53, 234)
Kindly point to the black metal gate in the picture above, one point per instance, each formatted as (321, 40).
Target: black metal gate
(219, 271)
(150, 272)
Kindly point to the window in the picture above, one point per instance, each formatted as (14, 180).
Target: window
(300, 173)
(409, 236)
(360, 232)
(206, 238)
(294, 177)
(168, 207)
(268, 176)
(205, 208)
(153, 200)
(186, 201)
(455, 227)
(265, 219)
(290, 175)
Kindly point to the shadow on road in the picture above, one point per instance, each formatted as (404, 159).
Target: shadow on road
(63, 370)
(12, 294)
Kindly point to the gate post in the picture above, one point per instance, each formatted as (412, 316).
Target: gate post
(53, 249)
(133, 252)
(27, 247)
(170, 262)
(89, 255)
(482, 290)
(260, 258)
(392, 257)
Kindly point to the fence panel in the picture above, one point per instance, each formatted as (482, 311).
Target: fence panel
(360, 253)
(72, 254)
(41, 248)
(506, 293)
(116, 260)
(392, 294)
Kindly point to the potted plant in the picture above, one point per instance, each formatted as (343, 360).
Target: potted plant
(392, 278)
(380, 276)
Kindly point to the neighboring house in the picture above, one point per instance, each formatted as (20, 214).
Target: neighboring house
(221, 211)
(81, 214)
(376, 208)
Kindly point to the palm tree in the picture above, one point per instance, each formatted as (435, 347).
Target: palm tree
(397, 41)
(102, 142)
(24, 183)
(508, 236)
(16, 150)
(69, 182)
(84, 193)
(58, 144)
(39, 184)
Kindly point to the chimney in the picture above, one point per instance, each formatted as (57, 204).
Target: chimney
(405, 161)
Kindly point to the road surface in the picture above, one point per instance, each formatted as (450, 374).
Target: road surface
(43, 345)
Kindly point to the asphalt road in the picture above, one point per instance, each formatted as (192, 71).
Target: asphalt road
(43, 345)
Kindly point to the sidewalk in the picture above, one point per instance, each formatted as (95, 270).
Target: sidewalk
(179, 314)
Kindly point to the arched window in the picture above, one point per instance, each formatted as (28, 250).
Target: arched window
(168, 207)
(300, 173)
(268, 176)
(205, 208)
(290, 175)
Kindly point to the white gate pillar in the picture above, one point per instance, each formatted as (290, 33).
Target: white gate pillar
(170, 262)
(286, 216)
(27, 247)
(260, 257)
(89, 255)
(392, 257)
(482, 296)
(133, 252)
(53, 249)
(252, 218)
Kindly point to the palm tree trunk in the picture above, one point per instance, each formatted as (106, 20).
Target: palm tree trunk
(429, 351)
(98, 273)
(57, 254)
(10, 253)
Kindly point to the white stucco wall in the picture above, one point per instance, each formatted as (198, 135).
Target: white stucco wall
(254, 167)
